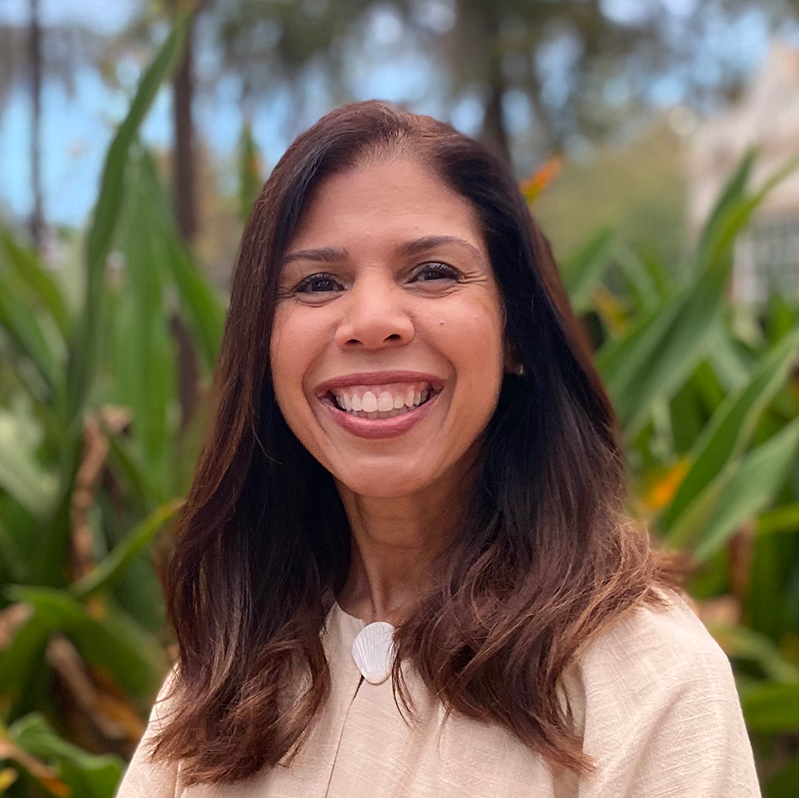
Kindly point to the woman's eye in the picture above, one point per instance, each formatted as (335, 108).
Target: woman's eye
(317, 284)
(324, 283)
(437, 271)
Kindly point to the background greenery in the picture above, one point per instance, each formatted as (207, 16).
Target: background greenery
(104, 368)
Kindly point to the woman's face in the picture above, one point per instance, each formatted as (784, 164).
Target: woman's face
(387, 348)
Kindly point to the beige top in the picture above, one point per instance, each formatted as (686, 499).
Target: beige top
(654, 698)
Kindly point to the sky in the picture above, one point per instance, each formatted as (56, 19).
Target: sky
(78, 124)
(104, 16)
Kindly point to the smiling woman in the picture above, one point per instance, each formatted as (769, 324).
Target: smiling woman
(403, 568)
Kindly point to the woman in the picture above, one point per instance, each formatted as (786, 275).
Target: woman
(403, 567)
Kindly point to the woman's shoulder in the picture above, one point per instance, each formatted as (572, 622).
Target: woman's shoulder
(658, 708)
(656, 640)
(650, 658)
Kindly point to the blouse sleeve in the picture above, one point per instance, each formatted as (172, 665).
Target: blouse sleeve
(662, 714)
(143, 778)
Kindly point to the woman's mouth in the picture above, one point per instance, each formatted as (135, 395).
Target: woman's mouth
(377, 411)
(380, 401)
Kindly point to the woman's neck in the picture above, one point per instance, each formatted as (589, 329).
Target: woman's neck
(393, 543)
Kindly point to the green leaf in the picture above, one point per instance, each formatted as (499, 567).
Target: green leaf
(657, 270)
(618, 361)
(708, 387)
(13, 564)
(202, 305)
(727, 201)
(26, 264)
(107, 211)
(56, 538)
(21, 474)
(772, 708)
(23, 657)
(585, 268)
(671, 352)
(735, 209)
(146, 358)
(686, 413)
(638, 276)
(660, 354)
(782, 314)
(740, 491)
(106, 638)
(23, 328)
(744, 643)
(111, 569)
(89, 775)
(728, 365)
(731, 426)
(780, 519)
(128, 464)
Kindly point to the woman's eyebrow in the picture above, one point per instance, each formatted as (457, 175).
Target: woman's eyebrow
(419, 245)
(322, 255)
(407, 248)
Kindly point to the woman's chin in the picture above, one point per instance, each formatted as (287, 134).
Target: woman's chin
(385, 483)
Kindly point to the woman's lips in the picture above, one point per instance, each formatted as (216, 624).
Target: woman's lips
(380, 427)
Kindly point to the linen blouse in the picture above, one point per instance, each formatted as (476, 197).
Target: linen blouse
(653, 697)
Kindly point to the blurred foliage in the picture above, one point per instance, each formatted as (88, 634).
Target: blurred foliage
(635, 185)
(93, 452)
(708, 397)
(96, 450)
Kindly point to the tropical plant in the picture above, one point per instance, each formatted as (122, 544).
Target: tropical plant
(93, 453)
(707, 393)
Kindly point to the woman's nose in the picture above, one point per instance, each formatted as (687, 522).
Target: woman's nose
(374, 315)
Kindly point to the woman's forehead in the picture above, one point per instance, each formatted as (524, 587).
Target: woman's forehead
(397, 198)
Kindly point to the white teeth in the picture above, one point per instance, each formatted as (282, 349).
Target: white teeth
(385, 402)
(382, 402)
(369, 402)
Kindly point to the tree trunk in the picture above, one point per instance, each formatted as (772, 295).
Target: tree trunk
(485, 30)
(184, 175)
(494, 133)
(37, 216)
(184, 195)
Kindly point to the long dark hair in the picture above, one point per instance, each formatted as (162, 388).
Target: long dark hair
(544, 562)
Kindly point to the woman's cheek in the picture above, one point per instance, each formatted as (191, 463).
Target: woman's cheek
(288, 353)
(475, 341)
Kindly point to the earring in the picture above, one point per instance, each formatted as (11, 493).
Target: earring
(519, 370)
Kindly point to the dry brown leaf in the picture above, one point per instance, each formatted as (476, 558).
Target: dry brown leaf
(721, 611)
(11, 618)
(67, 662)
(34, 766)
(111, 420)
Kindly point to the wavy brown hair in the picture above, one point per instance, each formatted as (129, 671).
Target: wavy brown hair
(543, 563)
